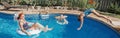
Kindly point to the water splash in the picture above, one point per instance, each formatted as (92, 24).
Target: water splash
(15, 16)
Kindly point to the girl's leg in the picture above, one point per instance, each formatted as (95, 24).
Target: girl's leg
(37, 26)
(40, 27)
(97, 14)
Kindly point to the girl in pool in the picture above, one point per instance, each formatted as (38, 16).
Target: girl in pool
(62, 19)
(27, 26)
(89, 11)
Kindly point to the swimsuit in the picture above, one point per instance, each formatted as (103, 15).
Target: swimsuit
(26, 25)
(88, 11)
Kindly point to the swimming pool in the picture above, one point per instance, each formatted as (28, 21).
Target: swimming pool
(91, 28)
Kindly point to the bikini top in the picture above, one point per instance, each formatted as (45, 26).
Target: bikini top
(24, 22)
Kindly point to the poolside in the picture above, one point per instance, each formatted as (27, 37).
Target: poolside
(115, 21)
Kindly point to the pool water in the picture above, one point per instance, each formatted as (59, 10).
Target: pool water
(91, 28)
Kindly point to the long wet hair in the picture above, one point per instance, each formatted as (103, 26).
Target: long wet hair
(79, 16)
(19, 16)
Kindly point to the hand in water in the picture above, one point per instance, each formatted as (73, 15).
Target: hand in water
(78, 28)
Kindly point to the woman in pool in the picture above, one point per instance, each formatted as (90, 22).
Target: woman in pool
(89, 11)
(27, 26)
(62, 19)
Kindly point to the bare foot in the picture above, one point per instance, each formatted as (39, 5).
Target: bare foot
(110, 21)
(47, 29)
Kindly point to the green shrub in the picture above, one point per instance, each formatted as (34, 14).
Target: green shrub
(114, 8)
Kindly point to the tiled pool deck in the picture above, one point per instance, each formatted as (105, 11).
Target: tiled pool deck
(116, 21)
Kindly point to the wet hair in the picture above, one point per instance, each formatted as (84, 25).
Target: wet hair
(79, 16)
(19, 16)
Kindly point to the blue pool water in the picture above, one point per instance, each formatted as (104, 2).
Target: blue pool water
(91, 28)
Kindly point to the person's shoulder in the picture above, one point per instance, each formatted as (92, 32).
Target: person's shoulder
(20, 20)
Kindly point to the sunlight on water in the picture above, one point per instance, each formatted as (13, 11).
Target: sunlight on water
(44, 16)
(91, 28)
